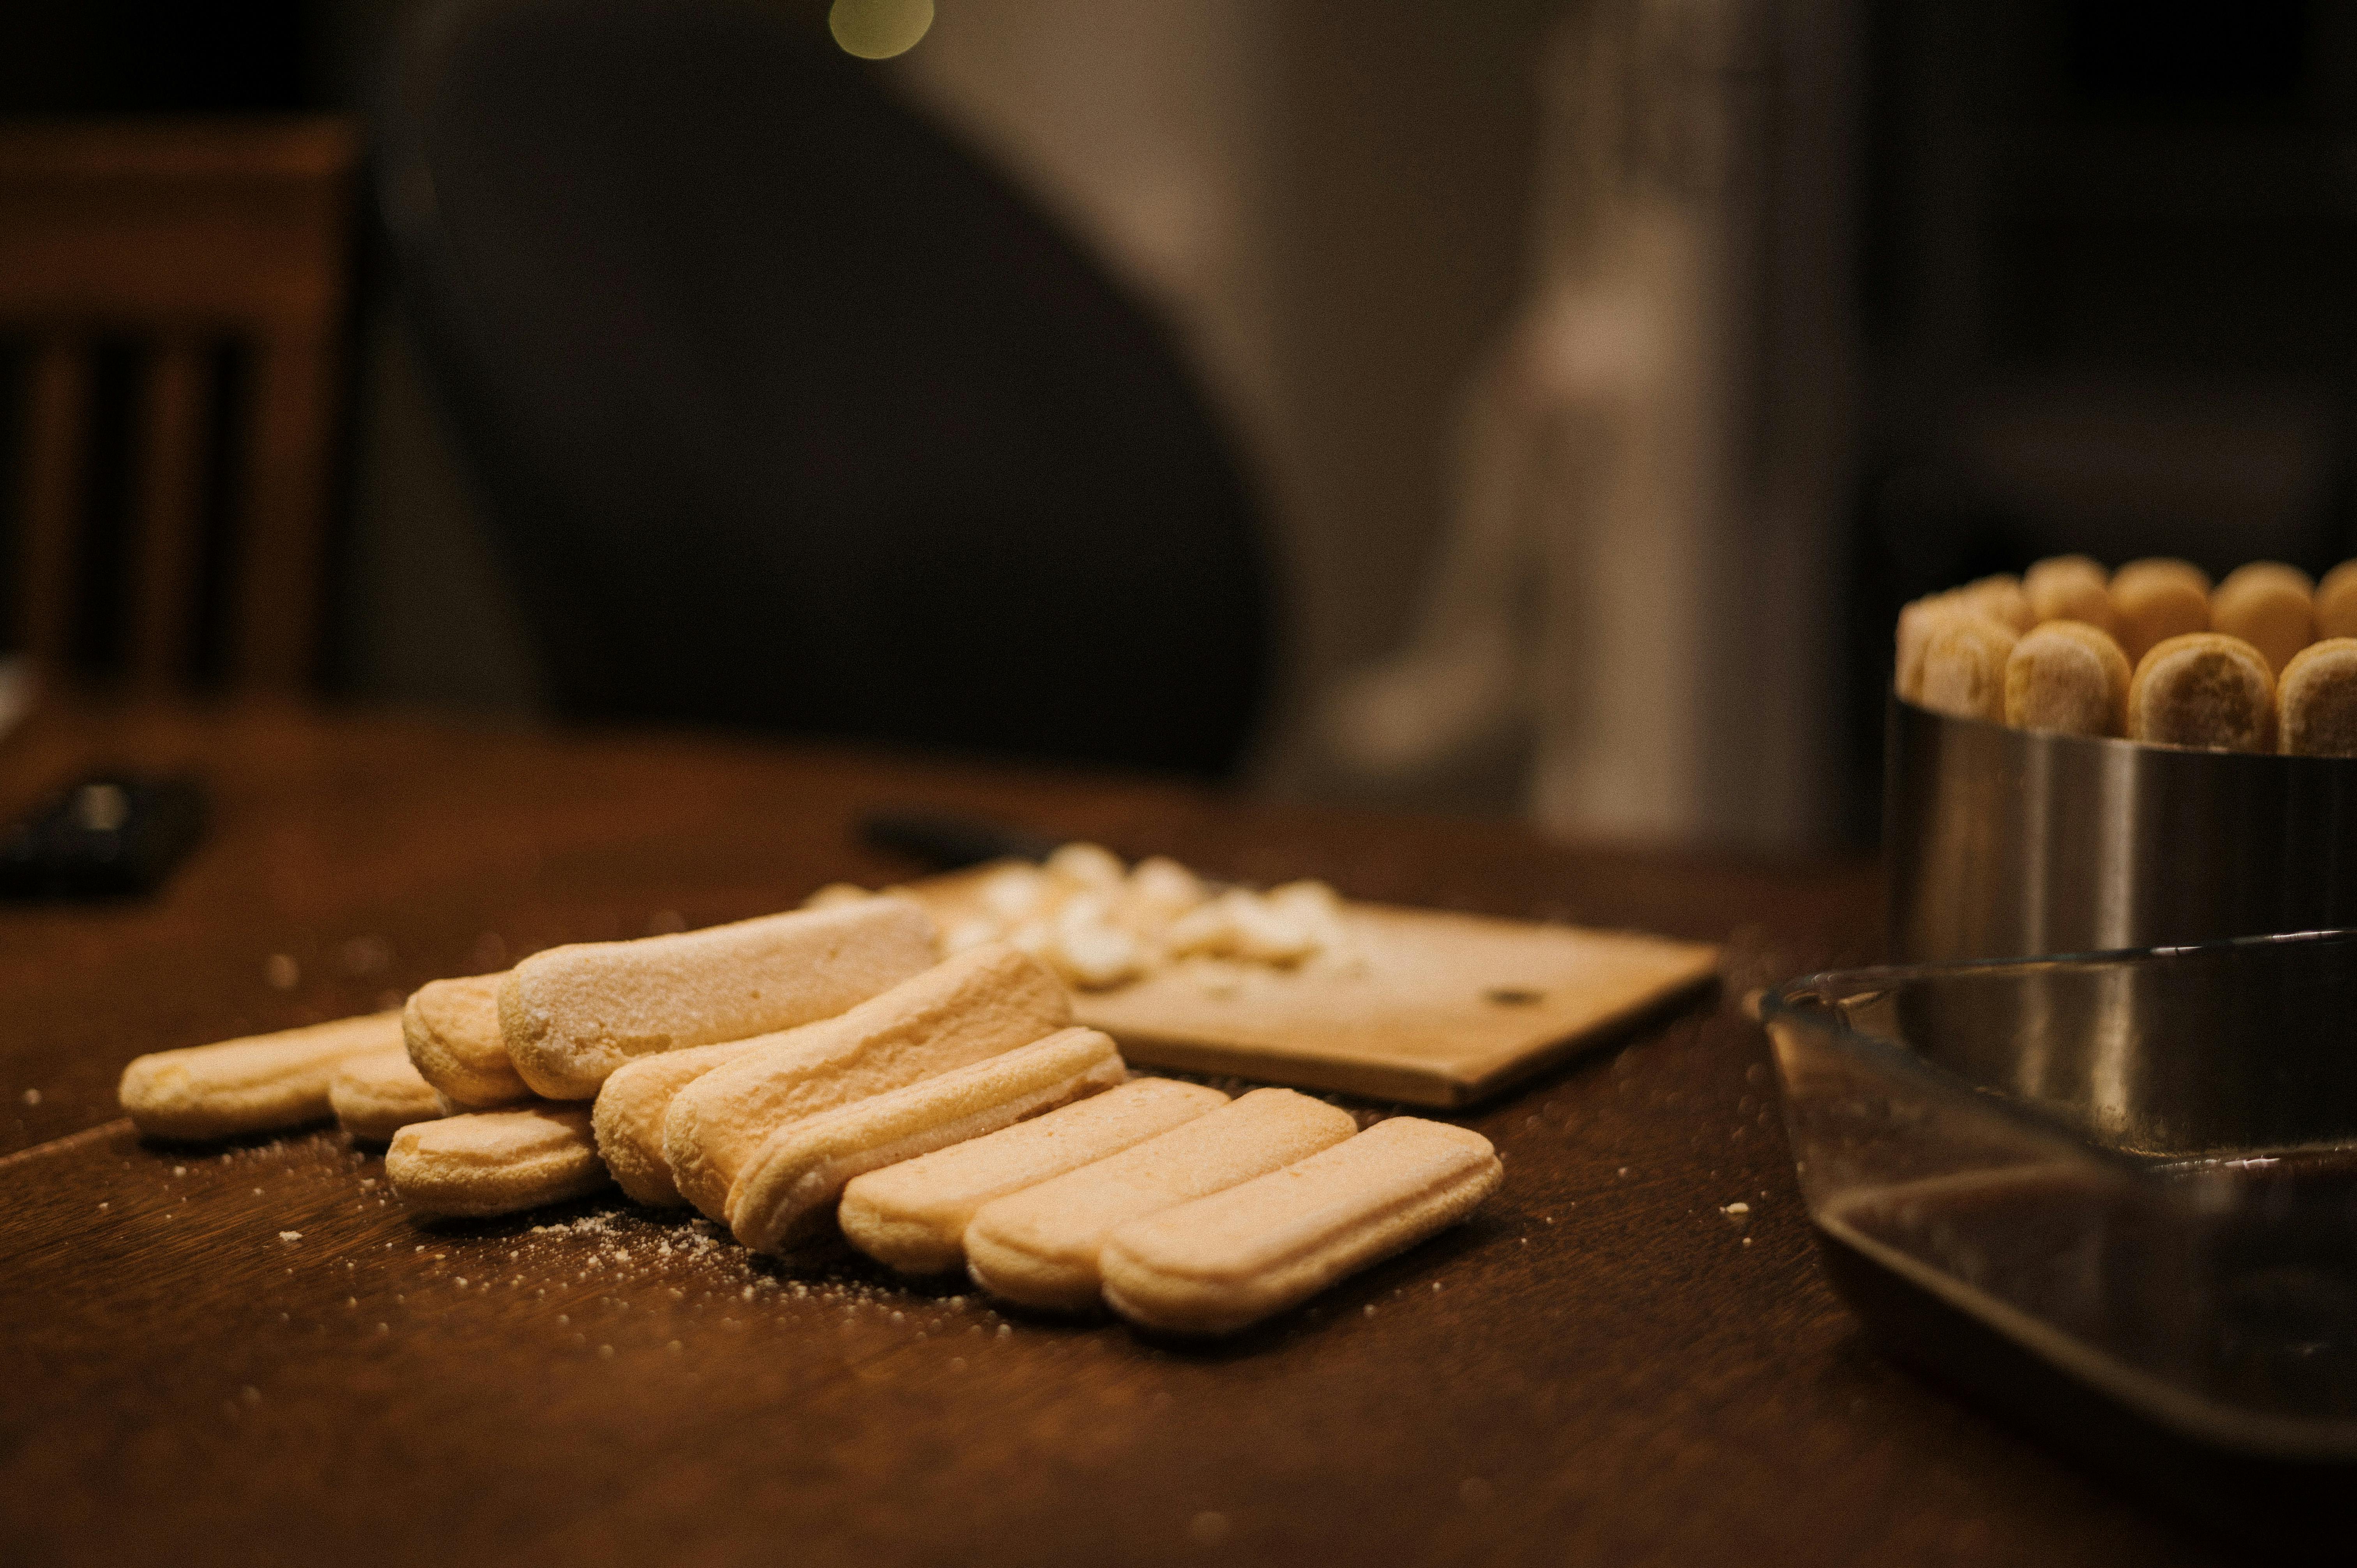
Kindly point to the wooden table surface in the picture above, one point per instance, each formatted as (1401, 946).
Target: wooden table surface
(252, 1356)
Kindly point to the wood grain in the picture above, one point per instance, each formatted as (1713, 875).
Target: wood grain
(1600, 1369)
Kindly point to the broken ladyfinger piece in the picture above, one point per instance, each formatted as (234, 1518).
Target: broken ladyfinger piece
(789, 1190)
(912, 1215)
(257, 1084)
(1039, 1247)
(2316, 699)
(2069, 678)
(572, 1015)
(376, 1095)
(2204, 688)
(496, 1162)
(984, 1000)
(1220, 1263)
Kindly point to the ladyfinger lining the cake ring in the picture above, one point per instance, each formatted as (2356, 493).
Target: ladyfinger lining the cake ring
(2336, 601)
(2000, 597)
(376, 1095)
(452, 1029)
(2069, 587)
(789, 1190)
(572, 1015)
(2268, 605)
(630, 1109)
(1963, 669)
(496, 1162)
(2316, 699)
(1221, 1262)
(2204, 688)
(1917, 622)
(2068, 678)
(257, 1084)
(2156, 599)
(986, 1000)
(1039, 1247)
(912, 1215)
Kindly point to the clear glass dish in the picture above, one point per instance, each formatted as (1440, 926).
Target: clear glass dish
(2112, 1196)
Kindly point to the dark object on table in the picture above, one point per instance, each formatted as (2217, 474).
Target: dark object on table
(951, 840)
(795, 415)
(103, 837)
(2110, 1197)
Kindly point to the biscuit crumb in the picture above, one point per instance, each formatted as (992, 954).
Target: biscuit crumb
(32, 1097)
(290, 1237)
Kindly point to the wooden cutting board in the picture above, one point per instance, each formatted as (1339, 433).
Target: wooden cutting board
(1445, 1010)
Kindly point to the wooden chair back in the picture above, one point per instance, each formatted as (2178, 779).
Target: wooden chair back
(185, 239)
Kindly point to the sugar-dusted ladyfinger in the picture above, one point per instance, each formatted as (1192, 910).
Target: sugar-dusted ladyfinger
(257, 1084)
(2203, 689)
(630, 1111)
(452, 1029)
(2067, 677)
(1040, 1246)
(495, 1162)
(2069, 587)
(1964, 668)
(986, 1000)
(912, 1215)
(1221, 1262)
(1917, 621)
(2336, 601)
(376, 1095)
(2268, 605)
(788, 1192)
(2156, 599)
(572, 1015)
(2316, 699)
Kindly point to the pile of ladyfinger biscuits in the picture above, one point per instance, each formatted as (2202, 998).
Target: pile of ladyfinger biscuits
(826, 1074)
(2265, 661)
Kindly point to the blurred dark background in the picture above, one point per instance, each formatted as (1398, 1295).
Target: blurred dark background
(2095, 271)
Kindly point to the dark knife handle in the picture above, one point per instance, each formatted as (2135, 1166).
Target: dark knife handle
(949, 840)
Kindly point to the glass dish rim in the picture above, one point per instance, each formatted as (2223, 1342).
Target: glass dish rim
(1787, 1004)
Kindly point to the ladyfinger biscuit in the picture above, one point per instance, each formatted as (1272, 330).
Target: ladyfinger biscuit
(789, 1190)
(572, 1015)
(2069, 587)
(2203, 689)
(1917, 622)
(2067, 677)
(253, 1085)
(2000, 597)
(2156, 599)
(2336, 601)
(2268, 605)
(987, 1000)
(630, 1111)
(912, 1215)
(2316, 699)
(452, 1029)
(377, 1095)
(1963, 669)
(495, 1162)
(1221, 1262)
(1040, 1246)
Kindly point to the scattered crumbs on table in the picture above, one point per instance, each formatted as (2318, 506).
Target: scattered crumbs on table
(280, 972)
(290, 1237)
(32, 1097)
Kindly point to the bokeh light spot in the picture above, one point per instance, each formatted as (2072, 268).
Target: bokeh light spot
(878, 29)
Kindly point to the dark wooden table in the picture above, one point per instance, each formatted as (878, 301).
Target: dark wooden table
(251, 1356)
